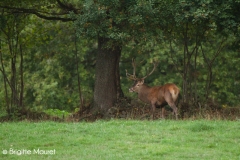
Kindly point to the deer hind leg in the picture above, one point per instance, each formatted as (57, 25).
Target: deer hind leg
(175, 110)
(171, 103)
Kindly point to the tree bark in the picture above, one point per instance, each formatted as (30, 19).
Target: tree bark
(106, 82)
(5, 79)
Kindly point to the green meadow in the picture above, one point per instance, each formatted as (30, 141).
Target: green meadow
(121, 139)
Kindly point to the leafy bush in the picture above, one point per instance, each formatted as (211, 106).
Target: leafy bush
(57, 113)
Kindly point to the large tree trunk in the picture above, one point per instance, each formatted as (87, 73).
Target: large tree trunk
(107, 76)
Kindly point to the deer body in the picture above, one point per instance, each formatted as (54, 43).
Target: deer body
(157, 96)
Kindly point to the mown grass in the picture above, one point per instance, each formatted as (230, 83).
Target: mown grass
(122, 139)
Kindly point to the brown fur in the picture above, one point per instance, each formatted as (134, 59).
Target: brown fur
(157, 95)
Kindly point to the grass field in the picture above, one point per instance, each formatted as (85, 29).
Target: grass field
(121, 139)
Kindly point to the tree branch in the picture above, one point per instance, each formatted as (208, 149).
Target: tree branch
(68, 7)
(44, 15)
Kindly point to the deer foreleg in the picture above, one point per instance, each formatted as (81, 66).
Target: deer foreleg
(153, 110)
(163, 113)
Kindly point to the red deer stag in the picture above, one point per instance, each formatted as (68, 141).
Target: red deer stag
(157, 96)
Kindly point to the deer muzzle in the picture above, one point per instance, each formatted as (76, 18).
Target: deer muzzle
(131, 89)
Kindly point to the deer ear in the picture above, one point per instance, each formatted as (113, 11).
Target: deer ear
(141, 81)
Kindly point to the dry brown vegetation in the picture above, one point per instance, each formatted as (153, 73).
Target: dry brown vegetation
(134, 109)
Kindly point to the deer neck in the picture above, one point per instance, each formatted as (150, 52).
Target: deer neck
(143, 93)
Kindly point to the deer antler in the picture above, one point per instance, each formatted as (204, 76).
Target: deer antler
(155, 63)
(132, 76)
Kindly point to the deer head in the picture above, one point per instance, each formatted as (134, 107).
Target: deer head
(136, 86)
(138, 82)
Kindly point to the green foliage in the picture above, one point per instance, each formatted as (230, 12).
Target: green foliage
(52, 75)
(50, 66)
(117, 20)
(57, 113)
(226, 82)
